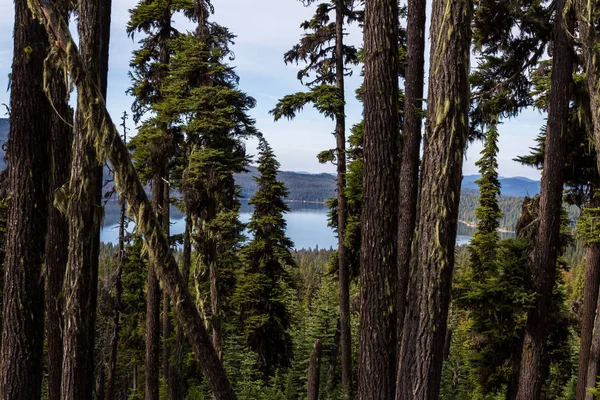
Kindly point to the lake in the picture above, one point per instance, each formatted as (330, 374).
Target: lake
(306, 226)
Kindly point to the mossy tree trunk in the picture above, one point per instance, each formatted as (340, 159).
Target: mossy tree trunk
(28, 176)
(57, 238)
(379, 220)
(111, 146)
(85, 213)
(152, 362)
(409, 170)
(114, 343)
(547, 240)
(422, 345)
(591, 284)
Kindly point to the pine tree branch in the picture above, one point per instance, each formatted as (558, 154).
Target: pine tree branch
(110, 146)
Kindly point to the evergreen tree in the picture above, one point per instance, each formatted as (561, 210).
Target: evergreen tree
(547, 247)
(28, 172)
(485, 240)
(424, 331)
(323, 49)
(85, 214)
(57, 238)
(155, 143)
(409, 169)
(379, 224)
(261, 283)
(202, 92)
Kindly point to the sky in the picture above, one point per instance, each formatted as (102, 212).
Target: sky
(265, 30)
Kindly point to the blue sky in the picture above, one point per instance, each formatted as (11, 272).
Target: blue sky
(266, 29)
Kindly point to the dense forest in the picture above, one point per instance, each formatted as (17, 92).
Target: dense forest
(229, 310)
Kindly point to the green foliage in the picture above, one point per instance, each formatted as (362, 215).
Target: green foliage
(259, 296)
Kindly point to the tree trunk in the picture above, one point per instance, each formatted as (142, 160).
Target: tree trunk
(85, 213)
(152, 382)
(587, 17)
(177, 389)
(57, 238)
(590, 301)
(169, 368)
(314, 372)
(340, 136)
(547, 240)
(409, 169)
(107, 138)
(28, 175)
(593, 367)
(377, 353)
(422, 346)
(114, 344)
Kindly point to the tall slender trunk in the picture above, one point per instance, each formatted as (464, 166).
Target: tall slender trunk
(340, 136)
(593, 367)
(379, 221)
(109, 142)
(28, 175)
(547, 240)
(591, 284)
(114, 344)
(57, 238)
(169, 368)
(409, 169)
(152, 361)
(215, 300)
(422, 346)
(84, 209)
(314, 372)
(177, 389)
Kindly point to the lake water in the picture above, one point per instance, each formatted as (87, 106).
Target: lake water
(306, 226)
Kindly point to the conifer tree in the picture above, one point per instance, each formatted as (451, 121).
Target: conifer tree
(202, 92)
(85, 214)
(424, 331)
(28, 165)
(547, 246)
(261, 283)
(483, 245)
(379, 224)
(154, 145)
(57, 239)
(409, 169)
(326, 56)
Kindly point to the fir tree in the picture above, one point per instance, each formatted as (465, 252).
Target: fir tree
(326, 56)
(485, 240)
(202, 93)
(261, 284)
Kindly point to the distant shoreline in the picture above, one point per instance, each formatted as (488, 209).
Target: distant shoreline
(471, 225)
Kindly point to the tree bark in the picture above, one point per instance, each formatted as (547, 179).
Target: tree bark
(114, 344)
(591, 284)
(379, 220)
(85, 214)
(422, 345)
(314, 372)
(547, 241)
(409, 169)
(111, 146)
(57, 238)
(593, 367)
(152, 362)
(178, 389)
(340, 136)
(28, 175)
